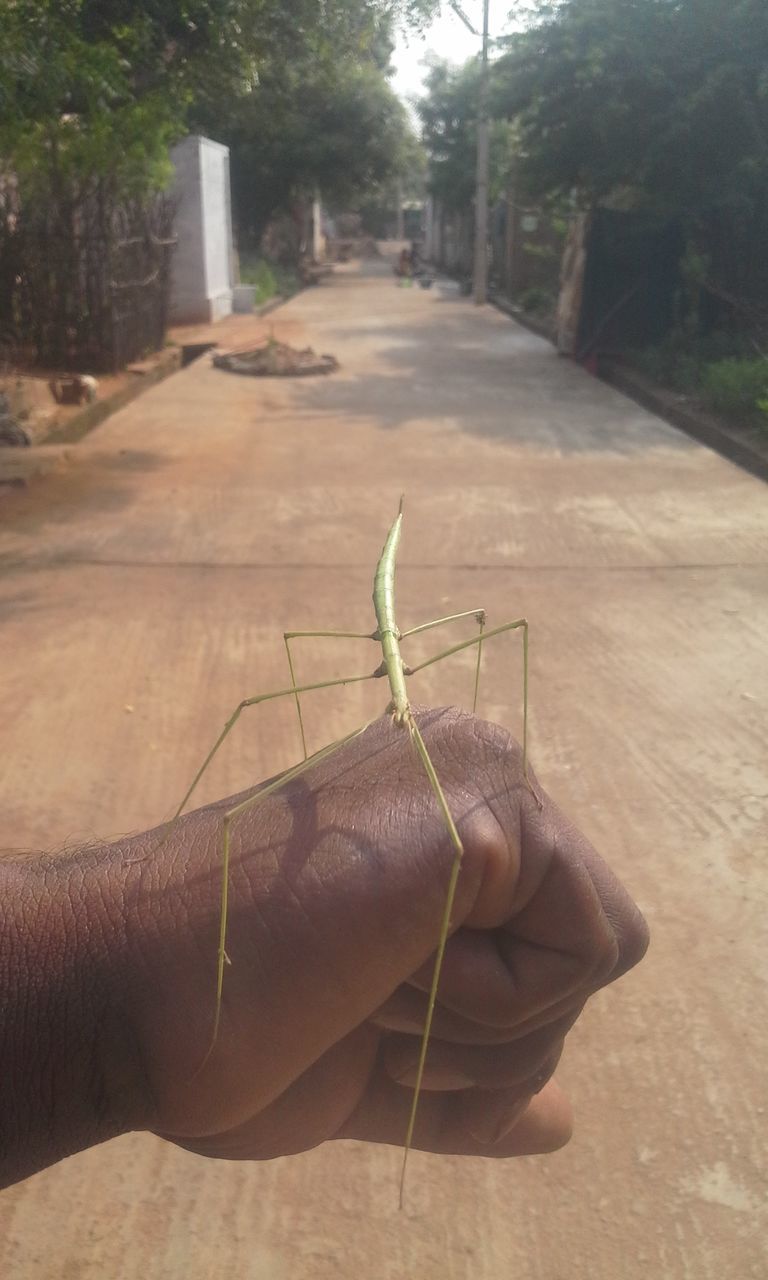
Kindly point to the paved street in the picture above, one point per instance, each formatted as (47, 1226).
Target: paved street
(144, 591)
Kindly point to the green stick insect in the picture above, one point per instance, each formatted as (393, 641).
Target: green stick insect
(392, 667)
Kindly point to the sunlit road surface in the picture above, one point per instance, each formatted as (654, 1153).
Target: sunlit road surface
(145, 590)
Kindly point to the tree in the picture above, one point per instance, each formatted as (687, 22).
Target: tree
(666, 97)
(337, 127)
(93, 92)
(654, 105)
(87, 93)
(448, 114)
(106, 84)
(379, 202)
(83, 153)
(319, 111)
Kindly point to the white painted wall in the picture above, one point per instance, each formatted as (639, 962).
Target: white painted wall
(201, 269)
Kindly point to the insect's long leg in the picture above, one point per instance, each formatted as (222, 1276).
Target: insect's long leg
(438, 622)
(229, 818)
(445, 925)
(477, 664)
(296, 635)
(252, 702)
(480, 615)
(479, 640)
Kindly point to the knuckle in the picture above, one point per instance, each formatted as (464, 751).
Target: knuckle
(468, 745)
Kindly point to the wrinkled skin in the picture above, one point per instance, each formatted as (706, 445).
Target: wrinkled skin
(338, 882)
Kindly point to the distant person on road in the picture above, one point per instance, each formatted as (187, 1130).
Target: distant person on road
(404, 266)
(107, 963)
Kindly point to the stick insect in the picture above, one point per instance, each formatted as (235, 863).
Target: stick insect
(392, 668)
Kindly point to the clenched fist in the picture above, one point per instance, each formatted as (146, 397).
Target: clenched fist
(338, 882)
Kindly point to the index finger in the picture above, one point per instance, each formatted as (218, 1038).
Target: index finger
(564, 927)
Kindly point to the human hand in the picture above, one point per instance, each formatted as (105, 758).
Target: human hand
(337, 885)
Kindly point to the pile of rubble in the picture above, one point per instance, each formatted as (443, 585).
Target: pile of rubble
(276, 360)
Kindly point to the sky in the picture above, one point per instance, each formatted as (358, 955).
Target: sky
(448, 38)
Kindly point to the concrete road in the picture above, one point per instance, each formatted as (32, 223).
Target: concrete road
(144, 592)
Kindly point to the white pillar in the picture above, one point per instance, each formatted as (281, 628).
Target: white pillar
(202, 262)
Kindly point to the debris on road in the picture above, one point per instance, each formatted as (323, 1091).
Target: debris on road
(274, 359)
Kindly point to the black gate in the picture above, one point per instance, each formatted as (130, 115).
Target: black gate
(631, 284)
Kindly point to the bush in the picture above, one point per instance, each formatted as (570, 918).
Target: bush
(737, 388)
(269, 278)
(669, 365)
(680, 360)
(258, 272)
(536, 300)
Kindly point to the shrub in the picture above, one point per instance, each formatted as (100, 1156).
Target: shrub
(679, 361)
(270, 278)
(737, 388)
(258, 272)
(537, 300)
(670, 364)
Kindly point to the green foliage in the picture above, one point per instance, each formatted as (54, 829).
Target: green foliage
(377, 203)
(269, 278)
(315, 120)
(716, 369)
(664, 99)
(537, 301)
(659, 107)
(448, 115)
(258, 272)
(678, 370)
(93, 92)
(681, 359)
(99, 88)
(737, 388)
(544, 252)
(71, 110)
(315, 109)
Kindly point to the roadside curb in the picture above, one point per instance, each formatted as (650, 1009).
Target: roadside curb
(145, 374)
(665, 404)
(20, 464)
(539, 327)
(695, 423)
(273, 304)
(194, 340)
